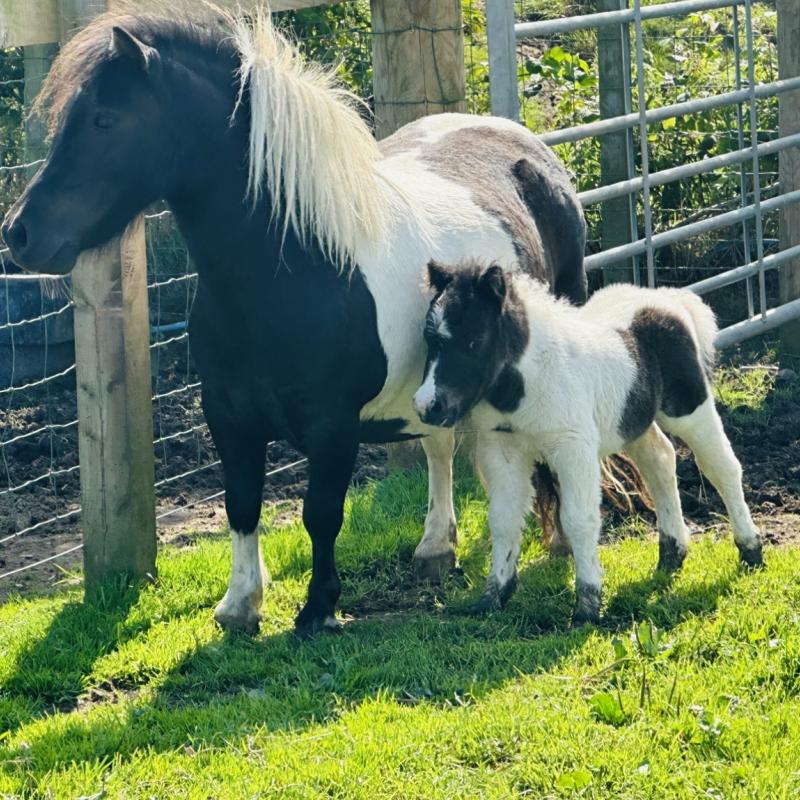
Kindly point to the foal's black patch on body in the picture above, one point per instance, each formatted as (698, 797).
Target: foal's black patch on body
(669, 374)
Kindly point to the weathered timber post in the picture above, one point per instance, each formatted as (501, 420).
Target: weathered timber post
(615, 227)
(417, 69)
(789, 160)
(115, 412)
(417, 60)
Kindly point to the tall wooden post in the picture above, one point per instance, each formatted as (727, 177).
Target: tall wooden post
(789, 161)
(417, 60)
(615, 227)
(417, 69)
(115, 412)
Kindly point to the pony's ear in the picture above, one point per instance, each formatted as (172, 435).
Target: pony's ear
(438, 275)
(492, 283)
(127, 46)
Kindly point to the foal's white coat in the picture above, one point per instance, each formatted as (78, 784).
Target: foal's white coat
(577, 373)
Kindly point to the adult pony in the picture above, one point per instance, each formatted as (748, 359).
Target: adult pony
(310, 242)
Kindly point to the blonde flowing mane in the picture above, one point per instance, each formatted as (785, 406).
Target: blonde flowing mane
(309, 143)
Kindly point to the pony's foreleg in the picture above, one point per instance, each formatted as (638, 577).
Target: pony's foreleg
(703, 432)
(654, 457)
(242, 453)
(578, 470)
(507, 469)
(436, 551)
(331, 457)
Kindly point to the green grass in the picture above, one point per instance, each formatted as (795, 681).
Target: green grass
(141, 696)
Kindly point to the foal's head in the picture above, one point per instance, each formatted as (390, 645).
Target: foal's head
(473, 329)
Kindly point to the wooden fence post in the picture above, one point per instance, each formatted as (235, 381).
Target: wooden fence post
(417, 60)
(417, 69)
(115, 410)
(789, 161)
(615, 226)
(37, 58)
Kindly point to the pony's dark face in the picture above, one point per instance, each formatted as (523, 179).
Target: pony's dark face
(466, 345)
(107, 163)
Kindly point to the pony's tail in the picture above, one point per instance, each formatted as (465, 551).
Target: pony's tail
(621, 485)
(547, 503)
(704, 323)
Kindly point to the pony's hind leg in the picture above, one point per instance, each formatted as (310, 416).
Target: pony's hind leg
(506, 468)
(703, 432)
(654, 457)
(436, 551)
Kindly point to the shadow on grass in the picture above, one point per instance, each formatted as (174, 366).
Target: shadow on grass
(234, 685)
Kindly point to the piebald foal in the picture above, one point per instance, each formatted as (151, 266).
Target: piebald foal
(549, 383)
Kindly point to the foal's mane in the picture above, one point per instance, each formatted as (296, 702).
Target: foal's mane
(309, 145)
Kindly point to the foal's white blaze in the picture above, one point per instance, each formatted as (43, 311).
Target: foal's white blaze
(245, 592)
(426, 394)
(439, 322)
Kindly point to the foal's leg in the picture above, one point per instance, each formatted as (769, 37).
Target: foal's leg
(242, 452)
(506, 468)
(654, 457)
(331, 457)
(436, 551)
(703, 432)
(578, 469)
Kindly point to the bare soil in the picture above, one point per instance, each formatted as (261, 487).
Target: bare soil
(768, 446)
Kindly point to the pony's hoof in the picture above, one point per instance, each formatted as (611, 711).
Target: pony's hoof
(237, 617)
(560, 549)
(752, 557)
(671, 555)
(587, 605)
(494, 597)
(307, 625)
(434, 568)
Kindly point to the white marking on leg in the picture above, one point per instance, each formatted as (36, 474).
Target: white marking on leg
(241, 605)
(426, 394)
(440, 521)
(703, 432)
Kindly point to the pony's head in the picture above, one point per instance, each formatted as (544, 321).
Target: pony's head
(108, 159)
(472, 332)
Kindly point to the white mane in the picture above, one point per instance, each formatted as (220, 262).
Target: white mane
(309, 143)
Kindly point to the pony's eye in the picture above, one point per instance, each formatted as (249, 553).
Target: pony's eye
(103, 121)
(472, 345)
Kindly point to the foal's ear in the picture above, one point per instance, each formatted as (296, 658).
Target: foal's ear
(127, 46)
(492, 283)
(439, 275)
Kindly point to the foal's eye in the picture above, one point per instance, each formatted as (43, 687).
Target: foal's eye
(103, 121)
(472, 345)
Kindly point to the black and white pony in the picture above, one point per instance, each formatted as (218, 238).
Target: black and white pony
(310, 242)
(547, 383)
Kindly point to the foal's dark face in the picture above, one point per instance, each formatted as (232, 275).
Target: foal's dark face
(107, 163)
(464, 334)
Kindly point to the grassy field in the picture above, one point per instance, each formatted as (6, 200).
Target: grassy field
(689, 690)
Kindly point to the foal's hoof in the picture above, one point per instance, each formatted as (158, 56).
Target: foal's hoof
(671, 554)
(494, 597)
(752, 557)
(240, 617)
(560, 549)
(587, 605)
(434, 568)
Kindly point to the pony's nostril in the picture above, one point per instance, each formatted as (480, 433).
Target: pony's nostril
(435, 407)
(16, 236)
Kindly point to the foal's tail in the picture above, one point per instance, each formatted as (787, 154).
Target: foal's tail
(704, 328)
